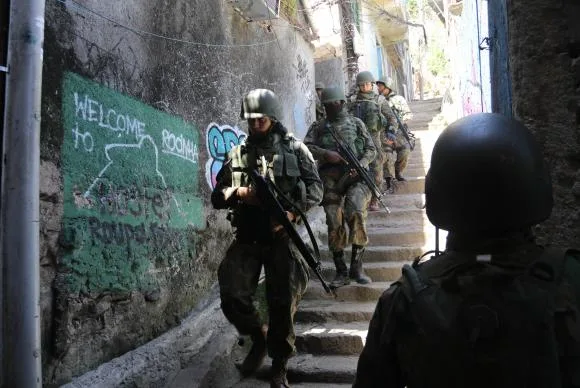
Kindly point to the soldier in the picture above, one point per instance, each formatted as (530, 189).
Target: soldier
(394, 166)
(345, 197)
(273, 150)
(377, 117)
(495, 309)
(320, 114)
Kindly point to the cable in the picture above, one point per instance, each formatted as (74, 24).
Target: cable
(139, 32)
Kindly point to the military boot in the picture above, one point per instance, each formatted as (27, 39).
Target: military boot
(341, 277)
(399, 177)
(356, 266)
(279, 370)
(374, 205)
(257, 352)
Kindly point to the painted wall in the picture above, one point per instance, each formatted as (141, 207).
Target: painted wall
(141, 103)
(544, 51)
(470, 65)
(370, 60)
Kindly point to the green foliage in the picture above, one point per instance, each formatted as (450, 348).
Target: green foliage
(437, 62)
(413, 8)
(289, 8)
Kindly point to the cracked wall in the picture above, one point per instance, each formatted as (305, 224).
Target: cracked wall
(134, 128)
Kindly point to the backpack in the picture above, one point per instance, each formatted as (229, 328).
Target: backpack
(471, 323)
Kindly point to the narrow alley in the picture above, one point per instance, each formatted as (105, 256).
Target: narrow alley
(119, 116)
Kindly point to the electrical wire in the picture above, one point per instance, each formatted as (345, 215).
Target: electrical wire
(139, 32)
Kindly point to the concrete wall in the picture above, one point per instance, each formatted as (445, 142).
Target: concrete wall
(544, 44)
(134, 129)
(330, 72)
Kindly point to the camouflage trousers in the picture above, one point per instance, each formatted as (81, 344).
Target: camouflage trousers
(376, 166)
(344, 208)
(286, 280)
(396, 157)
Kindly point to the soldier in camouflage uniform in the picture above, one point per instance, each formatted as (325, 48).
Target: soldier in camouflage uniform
(346, 198)
(495, 309)
(395, 165)
(258, 241)
(378, 118)
(320, 114)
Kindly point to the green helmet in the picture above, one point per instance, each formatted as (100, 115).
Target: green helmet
(387, 81)
(363, 77)
(332, 94)
(319, 85)
(259, 103)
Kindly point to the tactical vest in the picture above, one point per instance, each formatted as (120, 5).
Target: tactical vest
(369, 112)
(281, 165)
(347, 128)
(471, 323)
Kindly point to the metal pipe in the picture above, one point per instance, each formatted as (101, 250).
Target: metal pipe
(19, 207)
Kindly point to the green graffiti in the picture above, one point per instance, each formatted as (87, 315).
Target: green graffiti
(130, 189)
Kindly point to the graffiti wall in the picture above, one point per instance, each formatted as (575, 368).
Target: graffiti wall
(130, 177)
(220, 139)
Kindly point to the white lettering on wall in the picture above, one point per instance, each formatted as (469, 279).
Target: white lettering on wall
(179, 145)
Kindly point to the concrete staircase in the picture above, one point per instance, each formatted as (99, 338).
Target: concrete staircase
(331, 332)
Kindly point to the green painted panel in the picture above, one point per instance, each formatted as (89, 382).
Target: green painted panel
(130, 188)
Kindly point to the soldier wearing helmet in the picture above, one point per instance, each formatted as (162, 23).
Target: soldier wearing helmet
(495, 309)
(319, 107)
(258, 242)
(345, 198)
(379, 120)
(395, 165)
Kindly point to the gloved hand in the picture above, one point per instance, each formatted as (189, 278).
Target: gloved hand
(247, 195)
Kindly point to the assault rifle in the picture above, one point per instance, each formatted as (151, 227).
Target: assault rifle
(353, 163)
(265, 190)
(405, 130)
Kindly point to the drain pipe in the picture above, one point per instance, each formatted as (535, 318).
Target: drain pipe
(19, 205)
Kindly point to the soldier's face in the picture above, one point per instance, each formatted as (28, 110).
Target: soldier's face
(381, 88)
(259, 126)
(319, 92)
(366, 87)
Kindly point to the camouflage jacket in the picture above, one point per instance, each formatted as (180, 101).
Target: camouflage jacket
(320, 112)
(400, 106)
(286, 160)
(353, 131)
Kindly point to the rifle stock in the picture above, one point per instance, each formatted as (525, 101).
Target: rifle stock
(353, 163)
(268, 198)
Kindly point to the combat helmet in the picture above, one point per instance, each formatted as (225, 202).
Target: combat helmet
(259, 103)
(387, 81)
(364, 77)
(487, 177)
(332, 94)
(318, 85)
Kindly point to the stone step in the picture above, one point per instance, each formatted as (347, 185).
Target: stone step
(404, 235)
(328, 310)
(415, 171)
(354, 292)
(332, 338)
(317, 369)
(378, 271)
(387, 253)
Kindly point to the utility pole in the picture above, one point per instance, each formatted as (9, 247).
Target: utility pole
(421, 51)
(347, 27)
(19, 208)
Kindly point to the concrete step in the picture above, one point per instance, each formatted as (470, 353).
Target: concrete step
(255, 383)
(403, 235)
(387, 253)
(317, 369)
(353, 292)
(332, 338)
(328, 310)
(415, 171)
(401, 202)
(378, 271)
(413, 185)
(397, 218)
